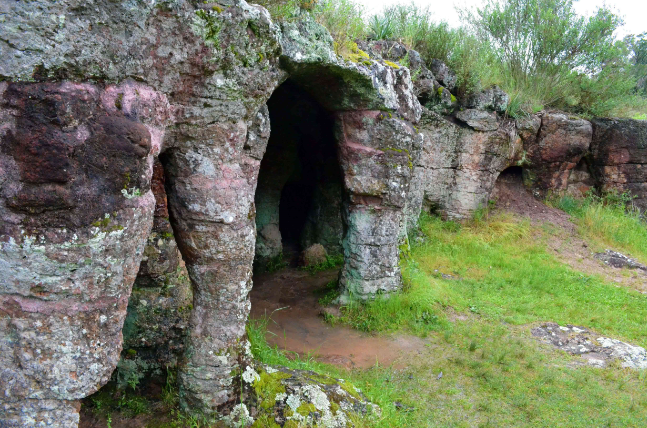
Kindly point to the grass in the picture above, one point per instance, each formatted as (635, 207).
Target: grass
(610, 221)
(473, 292)
(501, 271)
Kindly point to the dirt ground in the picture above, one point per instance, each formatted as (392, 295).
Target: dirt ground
(295, 323)
(564, 241)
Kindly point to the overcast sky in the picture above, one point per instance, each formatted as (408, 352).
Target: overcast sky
(634, 12)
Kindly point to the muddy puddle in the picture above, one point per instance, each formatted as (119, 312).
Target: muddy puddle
(288, 298)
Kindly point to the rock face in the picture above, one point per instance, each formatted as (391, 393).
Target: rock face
(561, 143)
(619, 157)
(458, 167)
(76, 163)
(76, 208)
(93, 94)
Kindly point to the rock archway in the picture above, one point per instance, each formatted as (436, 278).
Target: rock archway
(299, 193)
(74, 229)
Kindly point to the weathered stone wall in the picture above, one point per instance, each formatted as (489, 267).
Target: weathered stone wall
(619, 157)
(189, 81)
(75, 228)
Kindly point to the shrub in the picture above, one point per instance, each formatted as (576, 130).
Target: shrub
(551, 56)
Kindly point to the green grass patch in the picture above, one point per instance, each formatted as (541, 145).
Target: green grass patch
(609, 221)
(498, 268)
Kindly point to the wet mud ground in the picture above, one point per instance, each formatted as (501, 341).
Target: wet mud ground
(289, 299)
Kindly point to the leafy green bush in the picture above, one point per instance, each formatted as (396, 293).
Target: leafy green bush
(552, 57)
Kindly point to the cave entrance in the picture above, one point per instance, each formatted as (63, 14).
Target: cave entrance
(299, 193)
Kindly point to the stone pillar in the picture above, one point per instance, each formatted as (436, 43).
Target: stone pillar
(212, 176)
(375, 154)
(75, 210)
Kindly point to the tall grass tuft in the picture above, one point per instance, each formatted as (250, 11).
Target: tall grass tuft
(610, 220)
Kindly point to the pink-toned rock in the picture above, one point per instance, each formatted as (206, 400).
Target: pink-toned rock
(561, 143)
(75, 210)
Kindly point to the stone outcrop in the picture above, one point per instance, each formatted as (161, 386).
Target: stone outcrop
(188, 83)
(102, 101)
(459, 165)
(561, 143)
(619, 157)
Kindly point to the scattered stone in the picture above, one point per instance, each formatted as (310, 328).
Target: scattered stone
(596, 350)
(313, 255)
(618, 260)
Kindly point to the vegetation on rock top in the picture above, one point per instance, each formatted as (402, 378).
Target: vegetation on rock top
(540, 52)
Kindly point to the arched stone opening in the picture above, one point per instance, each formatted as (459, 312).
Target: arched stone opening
(512, 174)
(299, 193)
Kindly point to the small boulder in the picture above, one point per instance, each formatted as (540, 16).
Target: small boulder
(493, 99)
(313, 255)
(479, 120)
(444, 74)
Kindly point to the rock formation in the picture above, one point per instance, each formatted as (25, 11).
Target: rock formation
(100, 101)
(189, 84)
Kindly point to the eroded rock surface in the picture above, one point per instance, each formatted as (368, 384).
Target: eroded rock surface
(458, 167)
(76, 208)
(561, 143)
(619, 156)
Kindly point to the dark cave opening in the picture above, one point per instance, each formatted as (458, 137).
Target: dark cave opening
(299, 193)
(512, 174)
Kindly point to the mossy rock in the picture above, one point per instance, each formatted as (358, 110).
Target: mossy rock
(296, 398)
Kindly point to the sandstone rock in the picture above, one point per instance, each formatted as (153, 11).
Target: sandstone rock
(76, 164)
(76, 209)
(489, 99)
(619, 157)
(560, 145)
(376, 153)
(443, 74)
(479, 120)
(313, 255)
(458, 166)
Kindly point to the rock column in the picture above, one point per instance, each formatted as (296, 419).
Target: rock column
(375, 154)
(212, 176)
(75, 210)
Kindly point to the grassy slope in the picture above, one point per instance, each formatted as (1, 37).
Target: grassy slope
(494, 374)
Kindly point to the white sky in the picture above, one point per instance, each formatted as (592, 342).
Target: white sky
(634, 12)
